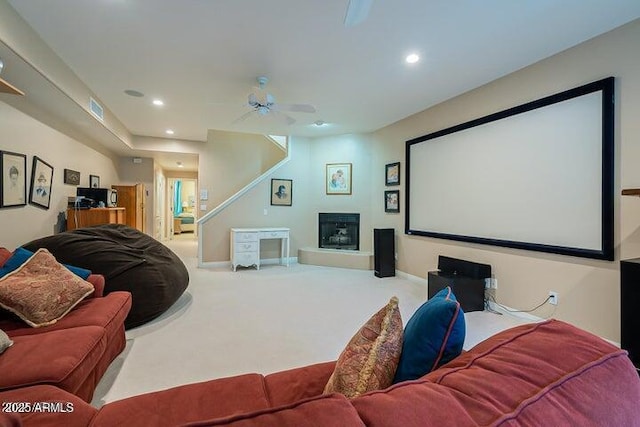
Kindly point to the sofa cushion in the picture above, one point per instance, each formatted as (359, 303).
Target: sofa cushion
(5, 341)
(69, 410)
(217, 398)
(107, 312)
(370, 359)
(548, 373)
(62, 358)
(433, 336)
(289, 386)
(21, 255)
(332, 410)
(41, 290)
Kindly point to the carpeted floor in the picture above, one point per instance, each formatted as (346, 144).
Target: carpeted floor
(262, 321)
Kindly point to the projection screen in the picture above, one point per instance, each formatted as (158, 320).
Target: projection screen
(538, 176)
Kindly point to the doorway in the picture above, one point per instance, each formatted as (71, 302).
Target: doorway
(182, 212)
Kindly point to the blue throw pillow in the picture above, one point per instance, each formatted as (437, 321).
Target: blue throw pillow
(21, 255)
(433, 336)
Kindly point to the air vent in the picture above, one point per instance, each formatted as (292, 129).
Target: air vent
(96, 109)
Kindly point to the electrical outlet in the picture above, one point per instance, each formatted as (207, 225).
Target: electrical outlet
(491, 283)
(553, 298)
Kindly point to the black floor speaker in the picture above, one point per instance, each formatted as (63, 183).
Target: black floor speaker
(384, 252)
(630, 308)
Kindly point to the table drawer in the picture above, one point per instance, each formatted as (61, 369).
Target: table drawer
(246, 247)
(245, 237)
(245, 258)
(274, 234)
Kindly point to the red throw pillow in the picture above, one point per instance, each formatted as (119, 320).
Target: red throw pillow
(41, 291)
(370, 359)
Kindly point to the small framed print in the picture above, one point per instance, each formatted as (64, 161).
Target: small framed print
(392, 174)
(41, 182)
(71, 177)
(338, 178)
(13, 181)
(94, 181)
(281, 194)
(392, 201)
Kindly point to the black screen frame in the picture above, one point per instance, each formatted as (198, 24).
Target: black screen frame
(606, 250)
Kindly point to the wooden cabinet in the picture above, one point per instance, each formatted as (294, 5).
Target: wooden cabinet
(78, 218)
(131, 197)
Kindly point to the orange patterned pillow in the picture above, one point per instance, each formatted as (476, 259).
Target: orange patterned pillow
(41, 291)
(370, 359)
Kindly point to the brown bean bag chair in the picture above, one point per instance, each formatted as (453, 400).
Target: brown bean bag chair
(129, 261)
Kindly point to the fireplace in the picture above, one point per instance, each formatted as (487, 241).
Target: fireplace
(339, 231)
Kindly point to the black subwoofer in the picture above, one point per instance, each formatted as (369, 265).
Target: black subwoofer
(384, 252)
(630, 308)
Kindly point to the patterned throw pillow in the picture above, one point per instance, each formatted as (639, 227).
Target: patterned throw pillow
(370, 359)
(20, 255)
(5, 341)
(434, 336)
(41, 291)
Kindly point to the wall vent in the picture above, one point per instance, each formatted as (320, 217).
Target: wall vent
(96, 109)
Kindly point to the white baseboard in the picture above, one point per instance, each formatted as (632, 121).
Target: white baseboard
(505, 310)
(266, 261)
(530, 317)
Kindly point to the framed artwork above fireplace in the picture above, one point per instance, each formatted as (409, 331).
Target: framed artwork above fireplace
(338, 178)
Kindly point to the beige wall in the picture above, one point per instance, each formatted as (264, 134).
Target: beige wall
(588, 290)
(307, 170)
(23, 134)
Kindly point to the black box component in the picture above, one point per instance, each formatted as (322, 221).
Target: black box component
(384, 252)
(629, 304)
(466, 279)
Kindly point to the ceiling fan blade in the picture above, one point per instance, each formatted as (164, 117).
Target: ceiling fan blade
(296, 108)
(243, 117)
(357, 11)
(288, 119)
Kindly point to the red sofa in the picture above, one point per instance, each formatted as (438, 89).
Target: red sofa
(548, 373)
(73, 353)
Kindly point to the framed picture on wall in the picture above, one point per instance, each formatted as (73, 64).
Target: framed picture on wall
(94, 181)
(392, 201)
(392, 174)
(338, 178)
(13, 180)
(41, 182)
(281, 194)
(71, 177)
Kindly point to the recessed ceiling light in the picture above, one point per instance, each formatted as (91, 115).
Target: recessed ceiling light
(169, 132)
(158, 102)
(133, 92)
(412, 58)
(180, 165)
(319, 123)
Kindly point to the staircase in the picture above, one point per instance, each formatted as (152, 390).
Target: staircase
(270, 164)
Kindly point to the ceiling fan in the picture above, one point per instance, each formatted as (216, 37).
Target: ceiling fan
(357, 11)
(263, 103)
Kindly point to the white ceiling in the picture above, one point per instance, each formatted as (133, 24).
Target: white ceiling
(202, 56)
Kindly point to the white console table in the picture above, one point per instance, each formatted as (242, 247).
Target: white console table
(245, 245)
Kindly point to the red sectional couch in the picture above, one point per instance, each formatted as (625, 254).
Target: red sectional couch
(541, 374)
(71, 354)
